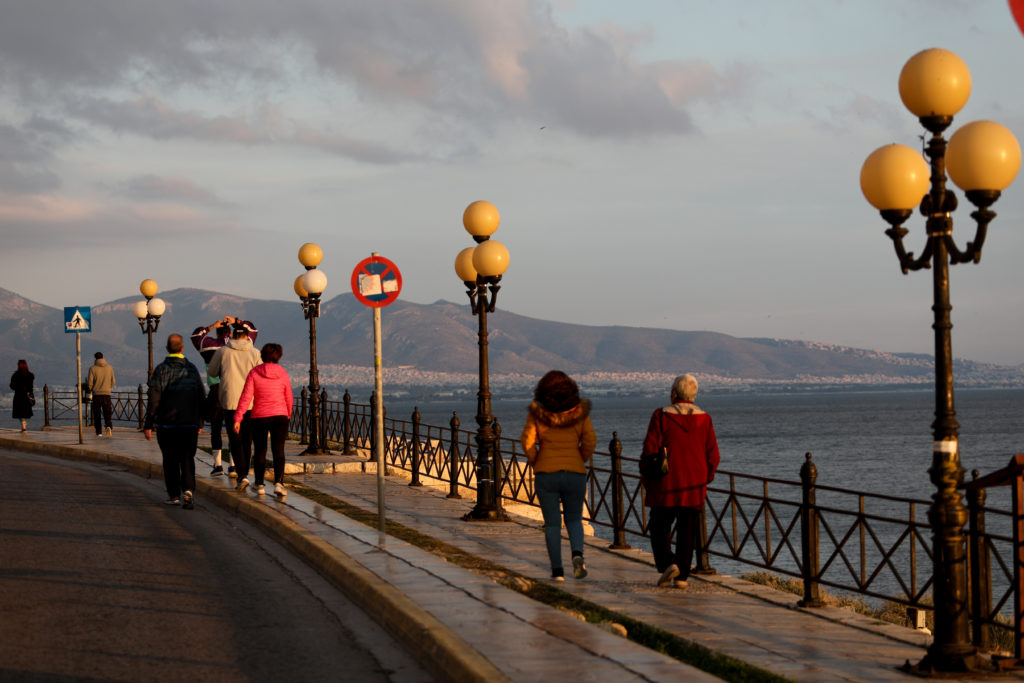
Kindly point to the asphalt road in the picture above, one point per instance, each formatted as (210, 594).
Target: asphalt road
(99, 580)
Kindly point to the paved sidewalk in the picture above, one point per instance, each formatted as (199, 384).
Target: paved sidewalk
(470, 627)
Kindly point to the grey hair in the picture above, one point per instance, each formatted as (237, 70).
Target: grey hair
(684, 387)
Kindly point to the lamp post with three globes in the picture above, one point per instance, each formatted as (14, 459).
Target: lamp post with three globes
(148, 313)
(480, 268)
(309, 286)
(982, 158)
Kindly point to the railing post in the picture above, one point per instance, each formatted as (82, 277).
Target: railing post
(809, 535)
(46, 406)
(346, 427)
(979, 568)
(453, 458)
(303, 423)
(142, 410)
(415, 447)
(1018, 560)
(499, 468)
(703, 557)
(321, 427)
(618, 516)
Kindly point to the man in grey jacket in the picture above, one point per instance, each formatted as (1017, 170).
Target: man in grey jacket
(232, 363)
(100, 383)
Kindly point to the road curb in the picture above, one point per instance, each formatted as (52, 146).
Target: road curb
(436, 647)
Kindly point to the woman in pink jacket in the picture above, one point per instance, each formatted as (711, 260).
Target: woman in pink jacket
(270, 389)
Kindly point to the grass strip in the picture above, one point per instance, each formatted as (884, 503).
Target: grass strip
(659, 640)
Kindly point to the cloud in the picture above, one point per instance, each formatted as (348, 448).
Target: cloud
(26, 155)
(481, 61)
(152, 188)
(42, 221)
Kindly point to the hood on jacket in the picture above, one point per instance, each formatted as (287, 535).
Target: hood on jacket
(240, 344)
(270, 371)
(102, 362)
(566, 418)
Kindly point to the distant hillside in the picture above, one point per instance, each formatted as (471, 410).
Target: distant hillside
(442, 338)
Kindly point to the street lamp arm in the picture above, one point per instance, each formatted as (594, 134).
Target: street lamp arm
(906, 258)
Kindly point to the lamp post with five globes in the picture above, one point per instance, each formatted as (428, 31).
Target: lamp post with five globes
(982, 158)
(148, 313)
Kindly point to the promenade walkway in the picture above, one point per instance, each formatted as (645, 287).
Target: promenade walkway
(465, 625)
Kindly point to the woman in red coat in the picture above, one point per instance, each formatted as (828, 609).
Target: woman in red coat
(678, 497)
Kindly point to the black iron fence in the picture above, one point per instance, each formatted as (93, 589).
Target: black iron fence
(872, 545)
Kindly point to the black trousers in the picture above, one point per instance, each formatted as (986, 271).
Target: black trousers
(178, 448)
(277, 428)
(240, 443)
(215, 416)
(101, 405)
(687, 525)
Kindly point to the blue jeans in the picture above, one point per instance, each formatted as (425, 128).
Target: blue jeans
(565, 489)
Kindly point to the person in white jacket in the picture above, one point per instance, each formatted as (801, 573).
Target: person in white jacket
(232, 363)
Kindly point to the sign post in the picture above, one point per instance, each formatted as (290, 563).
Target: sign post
(376, 282)
(78, 319)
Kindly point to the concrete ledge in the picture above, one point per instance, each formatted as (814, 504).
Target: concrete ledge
(434, 646)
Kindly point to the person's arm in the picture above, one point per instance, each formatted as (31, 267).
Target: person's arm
(89, 379)
(288, 396)
(213, 369)
(588, 440)
(711, 449)
(652, 441)
(243, 401)
(529, 439)
(155, 391)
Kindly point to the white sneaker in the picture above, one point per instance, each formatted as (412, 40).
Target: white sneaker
(109, 432)
(280, 491)
(261, 490)
(242, 485)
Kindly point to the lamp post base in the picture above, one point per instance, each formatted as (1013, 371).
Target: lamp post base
(315, 451)
(485, 514)
(937, 665)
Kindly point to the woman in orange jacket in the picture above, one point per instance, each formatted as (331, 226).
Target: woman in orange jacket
(558, 440)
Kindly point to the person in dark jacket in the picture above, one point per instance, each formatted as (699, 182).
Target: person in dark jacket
(678, 497)
(21, 384)
(176, 397)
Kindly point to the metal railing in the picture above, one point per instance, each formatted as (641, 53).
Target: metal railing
(867, 544)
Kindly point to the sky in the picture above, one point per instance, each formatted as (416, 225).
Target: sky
(658, 163)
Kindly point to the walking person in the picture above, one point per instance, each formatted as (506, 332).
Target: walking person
(175, 408)
(559, 440)
(21, 384)
(100, 383)
(207, 344)
(232, 364)
(688, 434)
(269, 389)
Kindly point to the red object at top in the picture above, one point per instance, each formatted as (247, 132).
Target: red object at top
(1017, 8)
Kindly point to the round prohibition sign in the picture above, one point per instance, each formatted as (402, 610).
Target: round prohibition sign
(376, 281)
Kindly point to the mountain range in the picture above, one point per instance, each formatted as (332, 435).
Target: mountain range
(440, 339)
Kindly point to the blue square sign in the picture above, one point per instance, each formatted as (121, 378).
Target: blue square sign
(77, 319)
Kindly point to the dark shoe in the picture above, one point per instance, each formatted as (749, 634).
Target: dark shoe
(558, 574)
(217, 471)
(231, 472)
(579, 570)
(186, 500)
(665, 580)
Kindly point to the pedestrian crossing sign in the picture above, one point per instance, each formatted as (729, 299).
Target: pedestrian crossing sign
(77, 319)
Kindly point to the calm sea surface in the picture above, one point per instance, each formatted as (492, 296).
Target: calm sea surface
(879, 441)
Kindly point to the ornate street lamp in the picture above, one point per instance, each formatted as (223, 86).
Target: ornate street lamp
(982, 159)
(309, 287)
(148, 312)
(480, 268)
